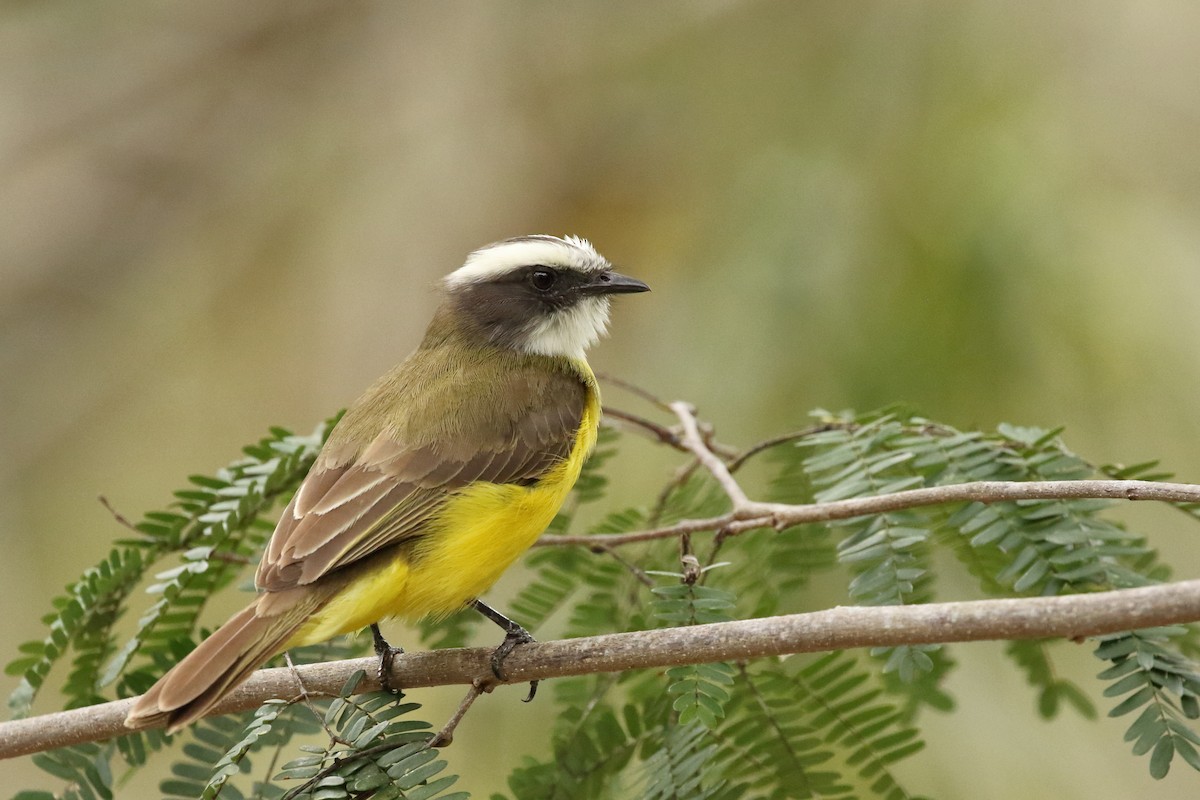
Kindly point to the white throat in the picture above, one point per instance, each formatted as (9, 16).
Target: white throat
(571, 331)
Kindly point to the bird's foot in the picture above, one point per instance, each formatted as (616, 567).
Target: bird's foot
(387, 654)
(512, 638)
(514, 635)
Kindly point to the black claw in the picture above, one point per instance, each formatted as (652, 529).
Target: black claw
(514, 635)
(387, 654)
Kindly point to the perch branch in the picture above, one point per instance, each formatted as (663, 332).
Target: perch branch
(1071, 616)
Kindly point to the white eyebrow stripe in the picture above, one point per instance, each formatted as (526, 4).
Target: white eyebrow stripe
(496, 259)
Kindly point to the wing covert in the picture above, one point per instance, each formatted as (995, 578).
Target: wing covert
(355, 504)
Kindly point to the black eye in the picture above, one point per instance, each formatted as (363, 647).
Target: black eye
(543, 279)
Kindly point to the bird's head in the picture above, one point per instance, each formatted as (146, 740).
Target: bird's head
(538, 294)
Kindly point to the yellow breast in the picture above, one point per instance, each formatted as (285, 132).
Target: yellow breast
(474, 539)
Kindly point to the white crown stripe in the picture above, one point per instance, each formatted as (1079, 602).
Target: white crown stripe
(496, 259)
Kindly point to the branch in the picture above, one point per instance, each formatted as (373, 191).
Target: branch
(659, 432)
(766, 444)
(747, 514)
(1070, 616)
(693, 441)
(779, 516)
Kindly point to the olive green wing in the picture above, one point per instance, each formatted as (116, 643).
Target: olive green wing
(353, 505)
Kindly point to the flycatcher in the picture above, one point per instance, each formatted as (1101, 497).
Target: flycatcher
(436, 479)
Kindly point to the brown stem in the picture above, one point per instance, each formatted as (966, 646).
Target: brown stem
(1070, 616)
(781, 515)
(693, 440)
(445, 736)
(660, 433)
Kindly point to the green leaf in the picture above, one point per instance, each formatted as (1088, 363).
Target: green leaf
(1134, 701)
(1160, 760)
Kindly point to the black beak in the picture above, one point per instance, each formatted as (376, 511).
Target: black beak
(609, 282)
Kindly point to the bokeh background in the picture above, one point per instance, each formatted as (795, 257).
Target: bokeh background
(216, 217)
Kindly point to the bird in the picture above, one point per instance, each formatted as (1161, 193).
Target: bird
(435, 480)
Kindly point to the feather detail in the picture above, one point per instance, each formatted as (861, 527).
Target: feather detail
(386, 494)
(226, 658)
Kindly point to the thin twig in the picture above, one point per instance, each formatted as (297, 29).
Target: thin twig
(650, 534)
(445, 736)
(717, 542)
(695, 442)
(634, 569)
(633, 389)
(680, 477)
(783, 515)
(1069, 616)
(117, 515)
(660, 433)
(304, 697)
(709, 436)
(230, 558)
(766, 444)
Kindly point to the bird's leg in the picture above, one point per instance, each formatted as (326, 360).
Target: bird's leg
(514, 635)
(386, 655)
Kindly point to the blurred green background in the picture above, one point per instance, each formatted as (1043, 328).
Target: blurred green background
(222, 216)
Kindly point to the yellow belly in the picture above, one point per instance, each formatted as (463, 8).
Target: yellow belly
(475, 538)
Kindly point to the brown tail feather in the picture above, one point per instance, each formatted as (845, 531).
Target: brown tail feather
(217, 666)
